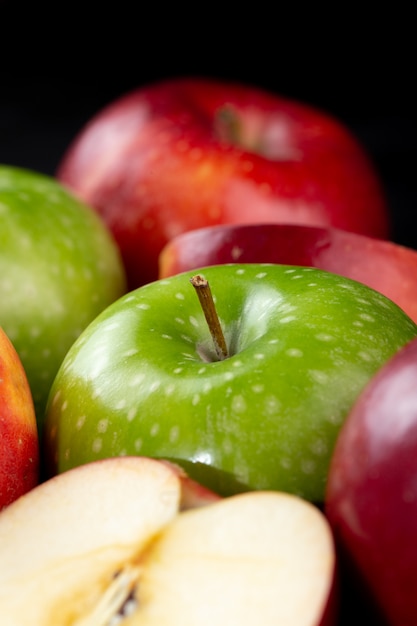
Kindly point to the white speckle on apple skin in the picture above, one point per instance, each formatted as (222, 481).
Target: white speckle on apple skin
(285, 463)
(319, 447)
(169, 389)
(308, 466)
(366, 317)
(288, 319)
(129, 353)
(271, 405)
(180, 320)
(138, 444)
(196, 399)
(154, 429)
(239, 404)
(97, 445)
(259, 388)
(174, 434)
(80, 422)
(324, 337)
(102, 425)
(318, 377)
(131, 414)
(136, 380)
(294, 352)
(180, 296)
(194, 321)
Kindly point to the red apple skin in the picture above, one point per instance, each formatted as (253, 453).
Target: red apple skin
(193, 493)
(371, 498)
(187, 153)
(19, 445)
(381, 264)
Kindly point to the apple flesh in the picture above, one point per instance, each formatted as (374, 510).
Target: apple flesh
(111, 540)
(59, 267)
(381, 264)
(143, 377)
(19, 445)
(371, 498)
(187, 153)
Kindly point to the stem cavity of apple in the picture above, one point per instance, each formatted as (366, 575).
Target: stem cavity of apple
(227, 125)
(205, 297)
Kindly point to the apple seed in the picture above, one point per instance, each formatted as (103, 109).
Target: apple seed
(114, 603)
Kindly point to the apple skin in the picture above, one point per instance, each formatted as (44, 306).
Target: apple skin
(371, 496)
(19, 444)
(189, 152)
(381, 264)
(59, 268)
(141, 379)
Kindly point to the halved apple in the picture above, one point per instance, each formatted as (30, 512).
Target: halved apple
(114, 542)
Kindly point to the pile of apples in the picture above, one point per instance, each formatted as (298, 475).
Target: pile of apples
(208, 372)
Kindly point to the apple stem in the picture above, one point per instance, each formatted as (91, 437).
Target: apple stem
(205, 297)
(227, 125)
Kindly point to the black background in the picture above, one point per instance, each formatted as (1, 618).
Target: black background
(62, 62)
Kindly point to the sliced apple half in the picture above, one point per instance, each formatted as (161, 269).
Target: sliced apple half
(112, 542)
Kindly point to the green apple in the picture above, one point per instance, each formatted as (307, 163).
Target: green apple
(144, 377)
(59, 268)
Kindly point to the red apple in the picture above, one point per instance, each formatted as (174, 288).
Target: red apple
(371, 498)
(19, 450)
(188, 153)
(383, 265)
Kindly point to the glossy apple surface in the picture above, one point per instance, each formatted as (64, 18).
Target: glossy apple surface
(19, 445)
(110, 543)
(371, 498)
(381, 264)
(59, 267)
(143, 377)
(186, 153)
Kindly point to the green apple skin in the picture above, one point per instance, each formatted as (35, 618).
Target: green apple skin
(142, 378)
(59, 268)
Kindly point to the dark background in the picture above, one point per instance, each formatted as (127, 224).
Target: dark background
(62, 62)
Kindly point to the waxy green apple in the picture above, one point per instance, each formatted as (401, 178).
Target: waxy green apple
(59, 268)
(19, 443)
(144, 378)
